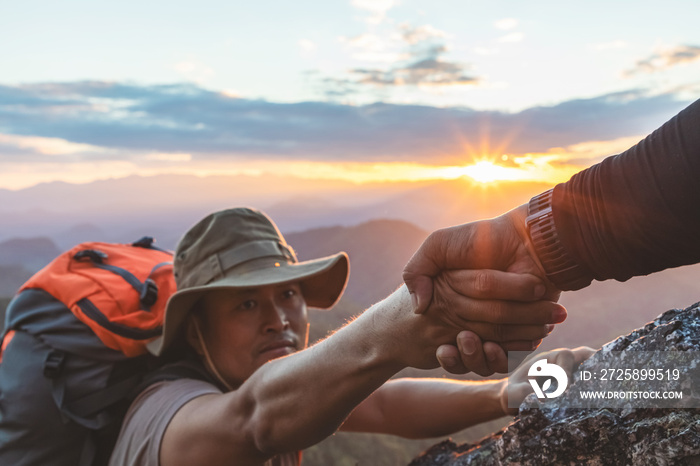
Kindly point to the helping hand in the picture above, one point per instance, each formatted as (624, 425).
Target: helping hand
(462, 301)
(501, 243)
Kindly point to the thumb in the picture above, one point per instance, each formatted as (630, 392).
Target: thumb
(425, 263)
(421, 289)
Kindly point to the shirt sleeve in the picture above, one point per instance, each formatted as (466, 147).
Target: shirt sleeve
(637, 212)
(149, 416)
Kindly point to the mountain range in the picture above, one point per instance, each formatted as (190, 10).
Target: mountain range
(165, 206)
(378, 251)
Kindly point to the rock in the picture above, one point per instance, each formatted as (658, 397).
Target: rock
(552, 433)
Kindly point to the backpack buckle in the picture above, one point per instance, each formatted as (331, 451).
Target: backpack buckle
(144, 242)
(149, 293)
(54, 364)
(98, 257)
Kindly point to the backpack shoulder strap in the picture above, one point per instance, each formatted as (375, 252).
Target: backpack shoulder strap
(188, 368)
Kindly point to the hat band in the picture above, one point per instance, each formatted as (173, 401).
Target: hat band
(217, 265)
(253, 250)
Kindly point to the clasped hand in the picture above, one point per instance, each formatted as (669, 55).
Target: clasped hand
(505, 298)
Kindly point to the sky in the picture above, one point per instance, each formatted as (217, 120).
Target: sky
(359, 90)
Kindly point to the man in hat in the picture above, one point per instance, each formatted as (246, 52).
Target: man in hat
(248, 391)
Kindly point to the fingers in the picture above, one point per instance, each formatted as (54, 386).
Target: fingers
(569, 359)
(521, 345)
(455, 303)
(474, 354)
(450, 359)
(495, 284)
(471, 356)
(496, 357)
(582, 353)
(467, 356)
(508, 333)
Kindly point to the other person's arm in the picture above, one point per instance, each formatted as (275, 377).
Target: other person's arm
(632, 214)
(421, 408)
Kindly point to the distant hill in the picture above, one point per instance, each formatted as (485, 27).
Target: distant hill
(165, 206)
(80, 233)
(30, 253)
(3, 306)
(605, 310)
(11, 278)
(378, 251)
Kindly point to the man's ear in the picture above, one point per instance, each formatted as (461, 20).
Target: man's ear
(192, 335)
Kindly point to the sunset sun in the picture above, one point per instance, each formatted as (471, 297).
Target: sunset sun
(486, 171)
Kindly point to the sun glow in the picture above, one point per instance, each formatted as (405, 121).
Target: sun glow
(61, 160)
(485, 171)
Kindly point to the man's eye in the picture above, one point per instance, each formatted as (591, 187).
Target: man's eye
(247, 305)
(289, 293)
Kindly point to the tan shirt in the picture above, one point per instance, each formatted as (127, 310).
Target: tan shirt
(149, 415)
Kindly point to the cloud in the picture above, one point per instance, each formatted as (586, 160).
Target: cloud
(506, 24)
(194, 71)
(370, 47)
(307, 46)
(414, 57)
(425, 68)
(120, 121)
(44, 146)
(377, 8)
(665, 59)
(616, 44)
(512, 37)
(429, 70)
(416, 35)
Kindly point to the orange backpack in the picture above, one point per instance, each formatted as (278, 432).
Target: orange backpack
(74, 349)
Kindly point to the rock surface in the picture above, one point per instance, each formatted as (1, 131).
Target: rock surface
(552, 434)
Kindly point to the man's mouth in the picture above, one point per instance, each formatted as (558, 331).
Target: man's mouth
(279, 348)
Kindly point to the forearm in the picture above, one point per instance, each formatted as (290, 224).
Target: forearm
(421, 408)
(294, 402)
(636, 213)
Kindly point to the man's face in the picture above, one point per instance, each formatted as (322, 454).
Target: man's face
(244, 329)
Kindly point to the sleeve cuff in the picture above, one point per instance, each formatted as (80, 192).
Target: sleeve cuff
(560, 267)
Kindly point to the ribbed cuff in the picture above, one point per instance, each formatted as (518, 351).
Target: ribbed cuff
(560, 267)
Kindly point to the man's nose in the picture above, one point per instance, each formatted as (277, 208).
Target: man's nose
(276, 318)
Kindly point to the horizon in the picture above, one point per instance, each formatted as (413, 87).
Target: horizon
(361, 91)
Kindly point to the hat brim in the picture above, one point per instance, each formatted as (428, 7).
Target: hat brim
(322, 283)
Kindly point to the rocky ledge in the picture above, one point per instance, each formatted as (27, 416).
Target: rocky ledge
(552, 433)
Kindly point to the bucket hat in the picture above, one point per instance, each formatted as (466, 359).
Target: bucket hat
(243, 248)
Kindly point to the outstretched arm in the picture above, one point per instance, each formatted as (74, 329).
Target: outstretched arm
(293, 402)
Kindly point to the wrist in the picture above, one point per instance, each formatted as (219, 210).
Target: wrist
(387, 331)
(501, 390)
(559, 266)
